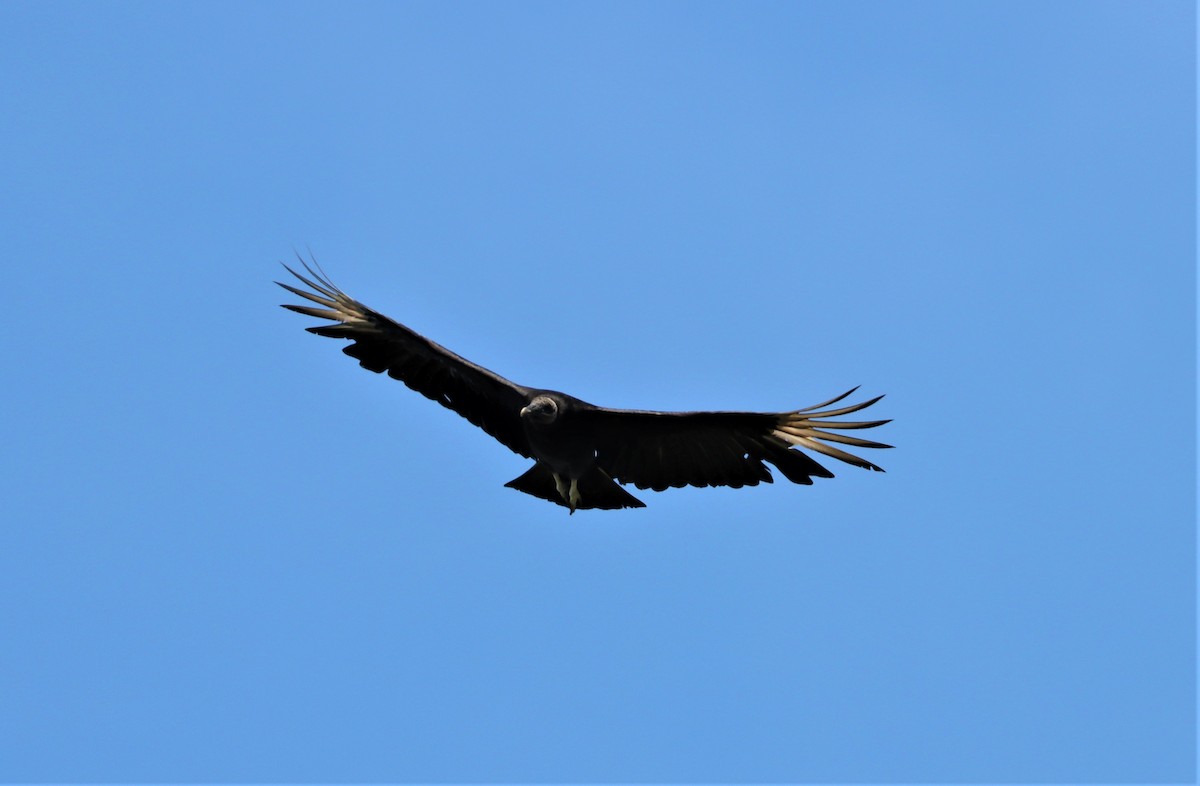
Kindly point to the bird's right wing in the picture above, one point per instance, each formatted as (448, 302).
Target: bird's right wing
(483, 397)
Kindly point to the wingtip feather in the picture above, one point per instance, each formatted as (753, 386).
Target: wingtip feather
(810, 428)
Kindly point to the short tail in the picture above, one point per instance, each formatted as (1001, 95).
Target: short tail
(596, 489)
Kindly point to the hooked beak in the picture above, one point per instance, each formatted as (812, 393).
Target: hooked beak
(526, 410)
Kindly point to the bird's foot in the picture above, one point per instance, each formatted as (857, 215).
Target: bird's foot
(574, 497)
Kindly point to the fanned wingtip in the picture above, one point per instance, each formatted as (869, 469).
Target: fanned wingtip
(810, 428)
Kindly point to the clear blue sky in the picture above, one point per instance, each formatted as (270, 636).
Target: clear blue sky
(228, 553)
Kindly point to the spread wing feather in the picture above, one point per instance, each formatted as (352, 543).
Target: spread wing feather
(658, 450)
(483, 397)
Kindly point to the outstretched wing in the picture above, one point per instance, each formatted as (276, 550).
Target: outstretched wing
(486, 399)
(656, 450)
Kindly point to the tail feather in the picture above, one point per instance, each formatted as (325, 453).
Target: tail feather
(596, 489)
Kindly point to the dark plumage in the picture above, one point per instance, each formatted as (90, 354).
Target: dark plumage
(583, 451)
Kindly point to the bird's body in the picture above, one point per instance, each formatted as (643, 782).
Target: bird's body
(583, 452)
(561, 439)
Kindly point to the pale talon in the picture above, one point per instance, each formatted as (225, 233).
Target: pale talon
(574, 497)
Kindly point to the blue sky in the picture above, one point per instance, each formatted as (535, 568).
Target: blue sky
(229, 554)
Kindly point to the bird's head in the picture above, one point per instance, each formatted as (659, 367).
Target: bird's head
(542, 411)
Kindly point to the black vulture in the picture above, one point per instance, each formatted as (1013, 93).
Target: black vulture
(582, 452)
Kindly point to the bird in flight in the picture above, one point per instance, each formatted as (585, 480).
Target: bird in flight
(583, 453)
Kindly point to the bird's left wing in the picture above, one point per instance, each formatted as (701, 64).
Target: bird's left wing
(657, 450)
(380, 344)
